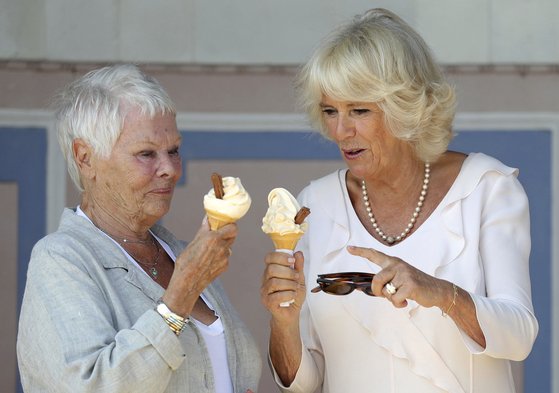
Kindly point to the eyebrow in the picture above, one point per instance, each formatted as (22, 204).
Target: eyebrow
(350, 104)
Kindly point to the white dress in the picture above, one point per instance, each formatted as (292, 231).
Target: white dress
(478, 238)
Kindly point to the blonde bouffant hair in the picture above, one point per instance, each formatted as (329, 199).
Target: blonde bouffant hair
(378, 58)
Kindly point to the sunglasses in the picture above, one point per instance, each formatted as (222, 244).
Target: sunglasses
(344, 283)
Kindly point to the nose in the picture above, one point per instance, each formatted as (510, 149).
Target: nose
(170, 166)
(344, 127)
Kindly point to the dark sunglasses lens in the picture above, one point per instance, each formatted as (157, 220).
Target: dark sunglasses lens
(367, 288)
(337, 288)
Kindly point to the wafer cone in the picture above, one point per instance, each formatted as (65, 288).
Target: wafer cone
(286, 241)
(217, 220)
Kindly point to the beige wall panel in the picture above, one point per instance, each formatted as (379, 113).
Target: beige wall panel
(157, 31)
(82, 30)
(231, 92)
(259, 32)
(487, 92)
(27, 88)
(8, 289)
(524, 31)
(258, 91)
(265, 31)
(271, 32)
(22, 29)
(467, 41)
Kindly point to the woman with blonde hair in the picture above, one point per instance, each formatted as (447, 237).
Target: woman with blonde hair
(413, 275)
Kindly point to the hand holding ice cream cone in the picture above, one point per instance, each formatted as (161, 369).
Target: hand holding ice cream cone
(284, 222)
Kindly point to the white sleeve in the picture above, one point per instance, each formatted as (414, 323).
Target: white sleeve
(311, 370)
(505, 314)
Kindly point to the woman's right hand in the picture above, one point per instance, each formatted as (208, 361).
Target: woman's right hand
(202, 261)
(282, 281)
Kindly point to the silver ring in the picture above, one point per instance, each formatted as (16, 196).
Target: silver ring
(390, 288)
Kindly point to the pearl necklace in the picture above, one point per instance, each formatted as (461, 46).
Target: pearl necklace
(391, 239)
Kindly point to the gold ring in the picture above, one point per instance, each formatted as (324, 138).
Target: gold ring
(230, 251)
(390, 288)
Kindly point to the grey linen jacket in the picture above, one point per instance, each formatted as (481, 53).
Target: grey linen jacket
(88, 323)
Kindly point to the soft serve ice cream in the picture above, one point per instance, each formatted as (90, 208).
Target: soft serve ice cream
(233, 205)
(280, 216)
(284, 223)
(279, 220)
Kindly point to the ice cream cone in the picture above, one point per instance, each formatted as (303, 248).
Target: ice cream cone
(217, 220)
(286, 241)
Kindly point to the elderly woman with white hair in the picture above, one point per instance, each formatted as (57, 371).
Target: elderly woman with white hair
(420, 254)
(113, 301)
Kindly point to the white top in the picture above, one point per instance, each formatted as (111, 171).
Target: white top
(214, 337)
(214, 334)
(478, 238)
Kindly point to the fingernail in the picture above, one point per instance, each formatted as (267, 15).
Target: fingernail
(291, 260)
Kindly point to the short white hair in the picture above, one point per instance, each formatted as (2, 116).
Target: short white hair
(94, 107)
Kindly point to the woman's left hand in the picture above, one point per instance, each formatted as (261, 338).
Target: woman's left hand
(408, 281)
(201, 262)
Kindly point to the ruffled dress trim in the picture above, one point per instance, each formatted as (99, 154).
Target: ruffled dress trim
(401, 334)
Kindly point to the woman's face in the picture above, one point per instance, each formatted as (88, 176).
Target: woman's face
(138, 179)
(366, 145)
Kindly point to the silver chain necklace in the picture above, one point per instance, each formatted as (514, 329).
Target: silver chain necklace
(395, 239)
(150, 267)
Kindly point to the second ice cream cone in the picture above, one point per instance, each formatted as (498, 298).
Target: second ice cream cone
(217, 220)
(286, 241)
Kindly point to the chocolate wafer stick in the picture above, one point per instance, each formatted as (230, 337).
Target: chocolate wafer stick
(217, 182)
(301, 215)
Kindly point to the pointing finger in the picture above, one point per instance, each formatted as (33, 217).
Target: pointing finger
(376, 257)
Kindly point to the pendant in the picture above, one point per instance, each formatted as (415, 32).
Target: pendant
(153, 271)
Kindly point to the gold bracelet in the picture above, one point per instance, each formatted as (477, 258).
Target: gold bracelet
(175, 322)
(455, 295)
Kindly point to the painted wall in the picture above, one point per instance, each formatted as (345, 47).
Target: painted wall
(229, 67)
(265, 159)
(265, 31)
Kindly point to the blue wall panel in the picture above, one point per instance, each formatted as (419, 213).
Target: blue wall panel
(24, 152)
(24, 161)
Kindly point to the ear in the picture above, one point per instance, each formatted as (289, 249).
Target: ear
(83, 156)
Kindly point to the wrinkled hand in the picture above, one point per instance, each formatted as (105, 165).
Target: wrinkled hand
(410, 282)
(283, 280)
(205, 258)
